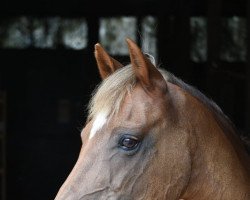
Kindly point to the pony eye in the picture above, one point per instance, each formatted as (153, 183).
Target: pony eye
(128, 142)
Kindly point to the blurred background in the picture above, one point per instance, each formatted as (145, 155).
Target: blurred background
(48, 71)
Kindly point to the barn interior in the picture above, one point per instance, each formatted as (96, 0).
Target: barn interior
(48, 71)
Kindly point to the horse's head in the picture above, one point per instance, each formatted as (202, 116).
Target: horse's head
(136, 143)
(132, 145)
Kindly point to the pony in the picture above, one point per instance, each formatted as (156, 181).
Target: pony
(151, 136)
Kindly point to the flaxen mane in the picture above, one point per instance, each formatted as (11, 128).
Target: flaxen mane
(110, 94)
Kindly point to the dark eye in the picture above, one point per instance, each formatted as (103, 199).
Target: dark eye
(129, 142)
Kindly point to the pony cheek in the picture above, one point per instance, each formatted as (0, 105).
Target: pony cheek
(126, 169)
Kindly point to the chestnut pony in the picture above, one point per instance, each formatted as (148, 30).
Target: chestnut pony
(150, 136)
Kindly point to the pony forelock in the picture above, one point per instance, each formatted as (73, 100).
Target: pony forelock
(110, 94)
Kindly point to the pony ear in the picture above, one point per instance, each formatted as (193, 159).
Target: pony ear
(145, 71)
(106, 64)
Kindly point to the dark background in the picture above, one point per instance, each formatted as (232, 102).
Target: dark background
(41, 150)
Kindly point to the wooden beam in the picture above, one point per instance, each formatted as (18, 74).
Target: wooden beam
(3, 144)
(213, 46)
(247, 122)
(174, 40)
(213, 30)
(93, 31)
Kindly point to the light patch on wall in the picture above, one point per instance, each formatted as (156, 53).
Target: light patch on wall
(233, 39)
(74, 33)
(114, 31)
(198, 43)
(43, 33)
(149, 35)
(16, 33)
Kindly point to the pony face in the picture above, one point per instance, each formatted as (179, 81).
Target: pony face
(149, 138)
(129, 130)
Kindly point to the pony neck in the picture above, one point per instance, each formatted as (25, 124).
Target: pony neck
(219, 162)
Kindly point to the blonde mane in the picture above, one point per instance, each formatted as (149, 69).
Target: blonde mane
(109, 95)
